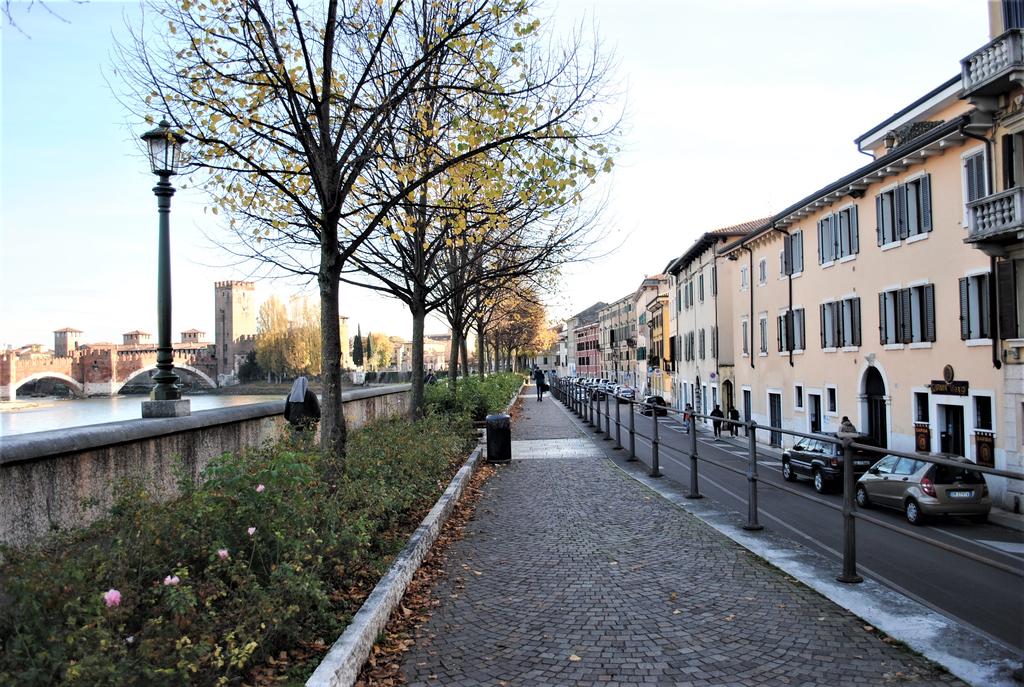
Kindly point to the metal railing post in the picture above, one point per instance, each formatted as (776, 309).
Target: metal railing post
(591, 399)
(632, 432)
(655, 467)
(597, 411)
(752, 523)
(618, 424)
(608, 416)
(694, 489)
(849, 573)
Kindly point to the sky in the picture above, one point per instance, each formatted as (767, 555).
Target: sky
(734, 109)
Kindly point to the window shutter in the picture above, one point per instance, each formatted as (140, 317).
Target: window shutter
(985, 305)
(787, 254)
(831, 236)
(855, 320)
(714, 280)
(837, 324)
(800, 339)
(878, 219)
(854, 231)
(926, 202)
(903, 317)
(790, 331)
(929, 312)
(881, 319)
(965, 309)
(1006, 295)
(798, 254)
(821, 241)
(902, 222)
(778, 332)
(821, 312)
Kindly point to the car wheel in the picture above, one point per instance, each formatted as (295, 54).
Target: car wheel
(787, 472)
(820, 485)
(913, 512)
(979, 519)
(862, 497)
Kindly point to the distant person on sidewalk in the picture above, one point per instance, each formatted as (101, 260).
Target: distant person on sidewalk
(847, 426)
(302, 409)
(734, 415)
(538, 379)
(717, 422)
(688, 419)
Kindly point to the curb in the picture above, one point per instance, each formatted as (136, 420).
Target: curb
(342, 663)
(964, 652)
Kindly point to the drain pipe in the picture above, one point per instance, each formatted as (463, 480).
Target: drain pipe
(750, 285)
(789, 277)
(993, 292)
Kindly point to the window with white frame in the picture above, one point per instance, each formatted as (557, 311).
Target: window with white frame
(793, 253)
(700, 344)
(832, 404)
(763, 324)
(840, 323)
(679, 297)
(714, 342)
(838, 236)
(791, 335)
(920, 406)
(745, 335)
(983, 413)
(762, 271)
(907, 315)
(904, 211)
(798, 396)
(714, 280)
(975, 179)
(744, 278)
(700, 287)
(975, 314)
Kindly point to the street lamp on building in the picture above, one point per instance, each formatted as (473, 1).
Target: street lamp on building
(164, 148)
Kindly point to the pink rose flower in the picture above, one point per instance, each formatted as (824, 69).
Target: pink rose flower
(171, 581)
(112, 598)
(251, 531)
(223, 554)
(260, 488)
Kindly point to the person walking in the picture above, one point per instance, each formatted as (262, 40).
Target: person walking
(847, 426)
(302, 409)
(538, 379)
(688, 422)
(734, 415)
(717, 422)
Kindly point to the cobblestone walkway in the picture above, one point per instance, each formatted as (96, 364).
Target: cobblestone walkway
(573, 574)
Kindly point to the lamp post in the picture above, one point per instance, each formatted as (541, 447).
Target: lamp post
(164, 158)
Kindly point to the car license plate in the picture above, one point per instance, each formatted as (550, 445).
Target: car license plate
(861, 463)
(960, 493)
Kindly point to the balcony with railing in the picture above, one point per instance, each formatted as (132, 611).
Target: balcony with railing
(995, 67)
(997, 219)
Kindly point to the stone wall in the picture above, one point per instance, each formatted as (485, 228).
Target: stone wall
(66, 478)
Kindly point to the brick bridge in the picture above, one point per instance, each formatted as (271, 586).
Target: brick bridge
(101, 369)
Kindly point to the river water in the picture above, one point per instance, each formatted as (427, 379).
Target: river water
(57, 413)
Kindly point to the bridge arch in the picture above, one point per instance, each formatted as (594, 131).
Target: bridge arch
(177, 366)
(76, 387)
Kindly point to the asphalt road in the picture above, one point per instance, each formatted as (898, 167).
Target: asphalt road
(990, 600)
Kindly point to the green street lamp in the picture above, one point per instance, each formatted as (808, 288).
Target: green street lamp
(164, 158)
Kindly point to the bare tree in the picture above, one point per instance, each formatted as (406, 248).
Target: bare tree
(290, 106)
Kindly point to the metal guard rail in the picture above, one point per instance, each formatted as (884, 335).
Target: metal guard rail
(584, 400)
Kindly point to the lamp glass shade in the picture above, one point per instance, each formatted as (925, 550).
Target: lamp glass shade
(164, 149)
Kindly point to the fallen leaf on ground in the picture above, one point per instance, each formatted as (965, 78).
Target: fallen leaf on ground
(574, 658)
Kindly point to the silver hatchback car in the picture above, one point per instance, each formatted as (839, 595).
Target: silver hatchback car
(921, 489)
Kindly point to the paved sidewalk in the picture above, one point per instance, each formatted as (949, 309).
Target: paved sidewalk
(571, 573)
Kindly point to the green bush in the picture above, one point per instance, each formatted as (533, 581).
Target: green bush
(204, 601)
(476, 398)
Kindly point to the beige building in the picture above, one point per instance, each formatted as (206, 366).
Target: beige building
(573, 343)
(617, 341)
(659, 341)
(702, 351)
(899, 333)
(649, 288)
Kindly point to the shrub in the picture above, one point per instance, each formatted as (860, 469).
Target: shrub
(272, 550)
(474, 397)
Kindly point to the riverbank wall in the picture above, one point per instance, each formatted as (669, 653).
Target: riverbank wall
(67, 478)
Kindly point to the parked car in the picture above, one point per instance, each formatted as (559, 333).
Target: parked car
(921, 489)
(625, 394)
(655, 405)
(822, 462)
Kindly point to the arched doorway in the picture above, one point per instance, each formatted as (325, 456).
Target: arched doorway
(727, 396)
(874, 395)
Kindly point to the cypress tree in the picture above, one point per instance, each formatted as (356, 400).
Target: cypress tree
(357, 349)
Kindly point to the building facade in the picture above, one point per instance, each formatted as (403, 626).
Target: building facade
(648, 289)
(588, 361)
(574, 323)
(617, 339)
(234, 311)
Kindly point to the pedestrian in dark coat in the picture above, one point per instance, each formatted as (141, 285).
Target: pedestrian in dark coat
(538, 379)
(846, 426)
(734, 415)
(302, 409)
(717, 422)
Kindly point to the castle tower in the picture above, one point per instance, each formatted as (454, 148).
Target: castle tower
(346, 352)
(65, 341)
(234, 311)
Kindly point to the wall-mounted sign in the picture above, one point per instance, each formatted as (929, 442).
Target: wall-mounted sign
(952, 388)
(948, 374)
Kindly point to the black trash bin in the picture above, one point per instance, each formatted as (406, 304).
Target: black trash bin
(499, 438)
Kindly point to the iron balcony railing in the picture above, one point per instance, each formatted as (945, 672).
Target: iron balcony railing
(996, 218)
(992, 69)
